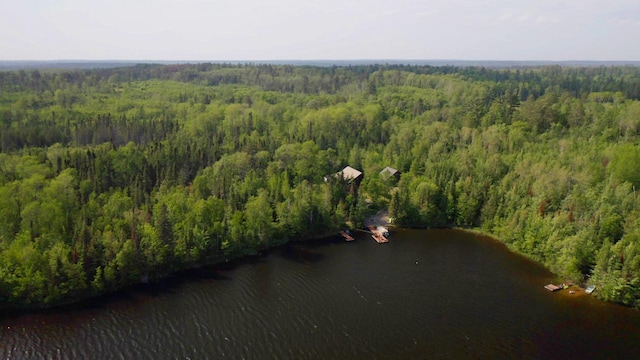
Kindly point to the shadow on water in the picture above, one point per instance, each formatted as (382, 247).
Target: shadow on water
(304, 253)
(91, 304)
(132, 294)
(142, 292)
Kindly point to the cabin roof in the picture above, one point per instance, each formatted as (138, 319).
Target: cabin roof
(389, 170)
(349, 173)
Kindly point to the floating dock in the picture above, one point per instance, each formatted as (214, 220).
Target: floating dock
(552, 287)
(378, 235)
(380, 239)
(346, 236)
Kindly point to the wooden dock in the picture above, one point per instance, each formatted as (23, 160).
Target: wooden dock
(377, 235)
(552, 287)
(380, 238)
(346, 236)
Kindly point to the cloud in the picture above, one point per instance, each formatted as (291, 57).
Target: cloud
(545, 19)
(522, 17)
(232, 29)
(515, 18)
(428, 13)
(623, 21)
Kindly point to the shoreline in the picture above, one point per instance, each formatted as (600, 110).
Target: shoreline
(381, 218)
(154, 278)
(578, 287)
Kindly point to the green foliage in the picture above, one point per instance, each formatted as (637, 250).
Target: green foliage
(108, 176)
(625, 165)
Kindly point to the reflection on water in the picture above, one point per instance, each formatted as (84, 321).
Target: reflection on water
(426, 294)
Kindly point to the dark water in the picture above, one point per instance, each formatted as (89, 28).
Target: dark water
(433, 294)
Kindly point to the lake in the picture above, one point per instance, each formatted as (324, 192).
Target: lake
(436, 294)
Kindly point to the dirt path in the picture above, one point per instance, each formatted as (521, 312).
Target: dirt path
(381, 218)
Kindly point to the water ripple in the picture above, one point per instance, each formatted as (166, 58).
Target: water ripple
(426, 294)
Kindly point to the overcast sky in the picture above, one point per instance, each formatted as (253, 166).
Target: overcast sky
(327, 29)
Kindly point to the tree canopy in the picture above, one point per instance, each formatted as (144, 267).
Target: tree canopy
(108, 176)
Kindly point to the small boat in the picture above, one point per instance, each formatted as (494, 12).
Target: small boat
(383, 230)
(590, 289)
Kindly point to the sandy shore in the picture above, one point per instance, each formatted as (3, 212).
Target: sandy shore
(379, 219)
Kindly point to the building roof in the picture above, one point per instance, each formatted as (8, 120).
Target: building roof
(391, 171)
(349, 173)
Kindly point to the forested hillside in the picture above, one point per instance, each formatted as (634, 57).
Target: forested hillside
(110, 176)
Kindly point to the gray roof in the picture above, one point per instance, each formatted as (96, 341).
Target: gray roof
(349, 173)
(389, 170)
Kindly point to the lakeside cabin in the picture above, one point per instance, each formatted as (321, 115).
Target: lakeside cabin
(349, 175)
(389, 172)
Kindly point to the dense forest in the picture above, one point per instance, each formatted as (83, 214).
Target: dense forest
(112, 176)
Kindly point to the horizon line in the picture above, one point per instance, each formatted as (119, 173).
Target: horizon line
(309, 60)
(87, 64)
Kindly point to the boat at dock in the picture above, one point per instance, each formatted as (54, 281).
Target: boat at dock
(383, 231)
(379, 238)
(377, 235)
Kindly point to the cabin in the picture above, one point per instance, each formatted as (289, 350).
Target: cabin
(390, 172)
(348, 174)
(351, 175)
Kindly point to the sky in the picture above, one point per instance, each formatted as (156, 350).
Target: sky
(552, 30)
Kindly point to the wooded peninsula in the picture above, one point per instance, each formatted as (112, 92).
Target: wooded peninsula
(112, 176)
